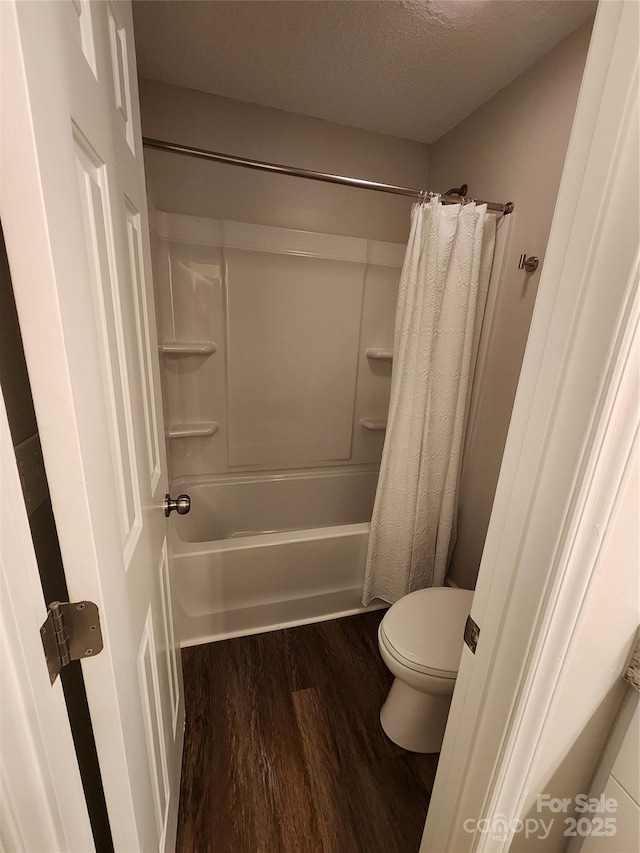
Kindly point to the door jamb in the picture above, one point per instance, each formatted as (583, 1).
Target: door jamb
(40, 760)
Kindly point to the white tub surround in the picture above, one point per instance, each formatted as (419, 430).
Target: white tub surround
(280, 338)
(275, 349)
(262, 551)
(230, 507)
(235, 587)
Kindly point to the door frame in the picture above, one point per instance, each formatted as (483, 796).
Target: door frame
(38, 765)
(572, 433)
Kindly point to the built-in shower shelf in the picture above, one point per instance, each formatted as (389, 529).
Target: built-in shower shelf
(379, 354)
(373, 423)
(193, 430)
(170, 348)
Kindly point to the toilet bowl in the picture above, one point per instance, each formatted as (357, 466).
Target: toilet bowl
(421, 639)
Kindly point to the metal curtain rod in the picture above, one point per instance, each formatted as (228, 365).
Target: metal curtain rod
(262, 166)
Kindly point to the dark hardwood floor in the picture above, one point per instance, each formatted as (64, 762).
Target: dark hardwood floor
(284, 752)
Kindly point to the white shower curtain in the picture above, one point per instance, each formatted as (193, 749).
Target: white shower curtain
(443, 291)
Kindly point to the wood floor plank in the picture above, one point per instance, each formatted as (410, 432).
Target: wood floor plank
(426, 765)
(303, 651)
(249, 771)
(324, 771)
(358, 685)
(280, 749)
(388, 806)
(284, 750)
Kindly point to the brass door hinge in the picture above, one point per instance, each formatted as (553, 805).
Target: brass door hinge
(71, 632)
(471, 634)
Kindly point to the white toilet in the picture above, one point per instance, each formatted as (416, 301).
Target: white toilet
(421, 639)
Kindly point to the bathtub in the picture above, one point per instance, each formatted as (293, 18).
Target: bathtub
(262, 552)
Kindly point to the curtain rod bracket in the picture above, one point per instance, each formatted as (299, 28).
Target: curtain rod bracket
(461, 191)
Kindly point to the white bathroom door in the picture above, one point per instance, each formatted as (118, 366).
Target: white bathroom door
(75, 223)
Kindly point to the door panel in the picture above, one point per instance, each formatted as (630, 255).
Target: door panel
(93, 191)
(82, 277)
(146, 358)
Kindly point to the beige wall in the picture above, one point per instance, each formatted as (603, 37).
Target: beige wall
(510, 149)
(185, 185)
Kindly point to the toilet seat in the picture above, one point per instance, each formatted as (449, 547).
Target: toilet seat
(411, 665)
(424, 630)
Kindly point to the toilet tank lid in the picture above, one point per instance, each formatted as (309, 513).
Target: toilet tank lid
(426, 627)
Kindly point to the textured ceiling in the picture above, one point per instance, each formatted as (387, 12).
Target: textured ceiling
(410, 69)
